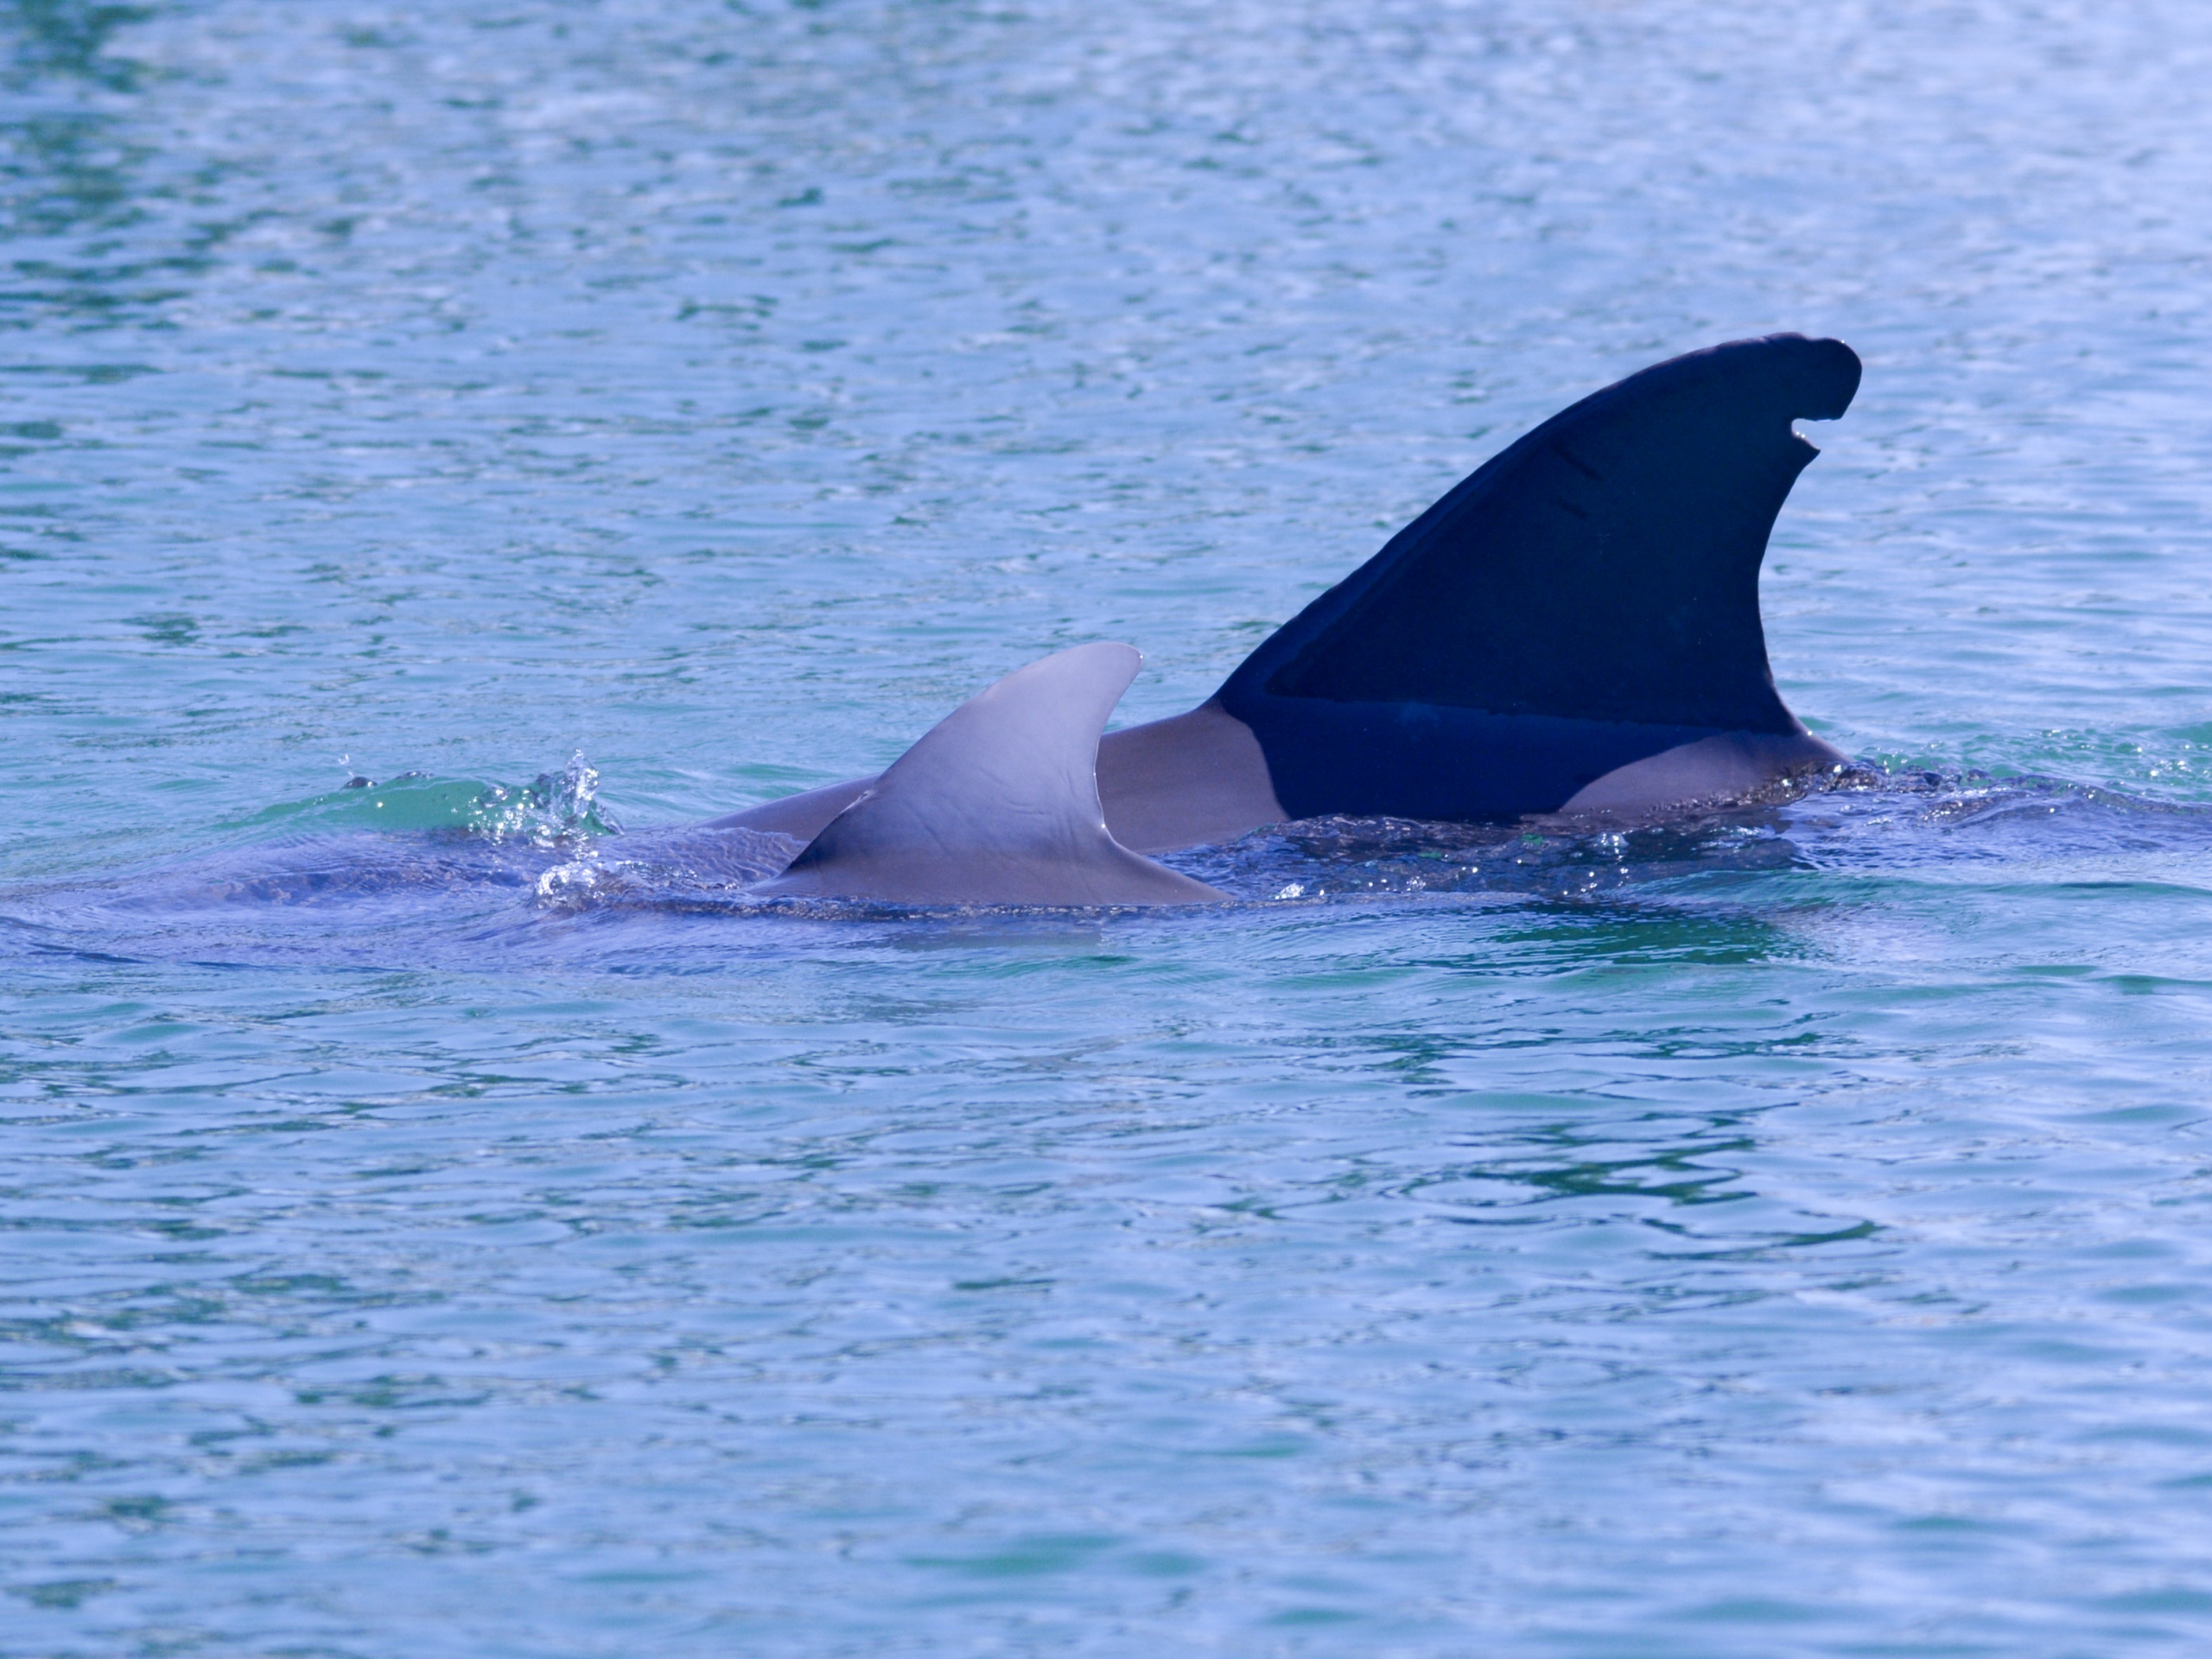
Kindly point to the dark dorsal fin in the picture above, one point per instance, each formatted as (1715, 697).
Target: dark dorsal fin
(1604, 568)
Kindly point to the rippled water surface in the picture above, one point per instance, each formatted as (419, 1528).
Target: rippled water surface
(446, 1216)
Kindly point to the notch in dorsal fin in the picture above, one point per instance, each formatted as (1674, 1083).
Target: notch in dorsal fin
(1587, 599)
(997, 804)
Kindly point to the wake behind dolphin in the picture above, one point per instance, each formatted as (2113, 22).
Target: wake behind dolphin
(1574, 628)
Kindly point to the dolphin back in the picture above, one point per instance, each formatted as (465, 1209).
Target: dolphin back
(997, 804)
(1587, 599)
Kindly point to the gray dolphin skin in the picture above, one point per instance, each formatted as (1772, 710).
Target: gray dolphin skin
(997, 805)
(1574, 628)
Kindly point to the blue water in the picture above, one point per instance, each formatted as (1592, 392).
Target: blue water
(446, 1217)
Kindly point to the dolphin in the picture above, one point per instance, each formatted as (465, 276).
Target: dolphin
(999, 804)
(1574, 628)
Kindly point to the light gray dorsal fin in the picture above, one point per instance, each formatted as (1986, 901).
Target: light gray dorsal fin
(998, 804)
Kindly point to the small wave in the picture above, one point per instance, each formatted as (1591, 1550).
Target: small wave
(555, 808)
(683, 866)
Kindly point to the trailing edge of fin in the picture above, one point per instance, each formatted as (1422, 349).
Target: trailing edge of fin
(1587, 599)
(997, 804)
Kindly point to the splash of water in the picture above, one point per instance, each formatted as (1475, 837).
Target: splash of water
(557, 809)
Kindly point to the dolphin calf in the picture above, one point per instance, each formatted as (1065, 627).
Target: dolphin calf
(1574, 627)
(998, 804)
